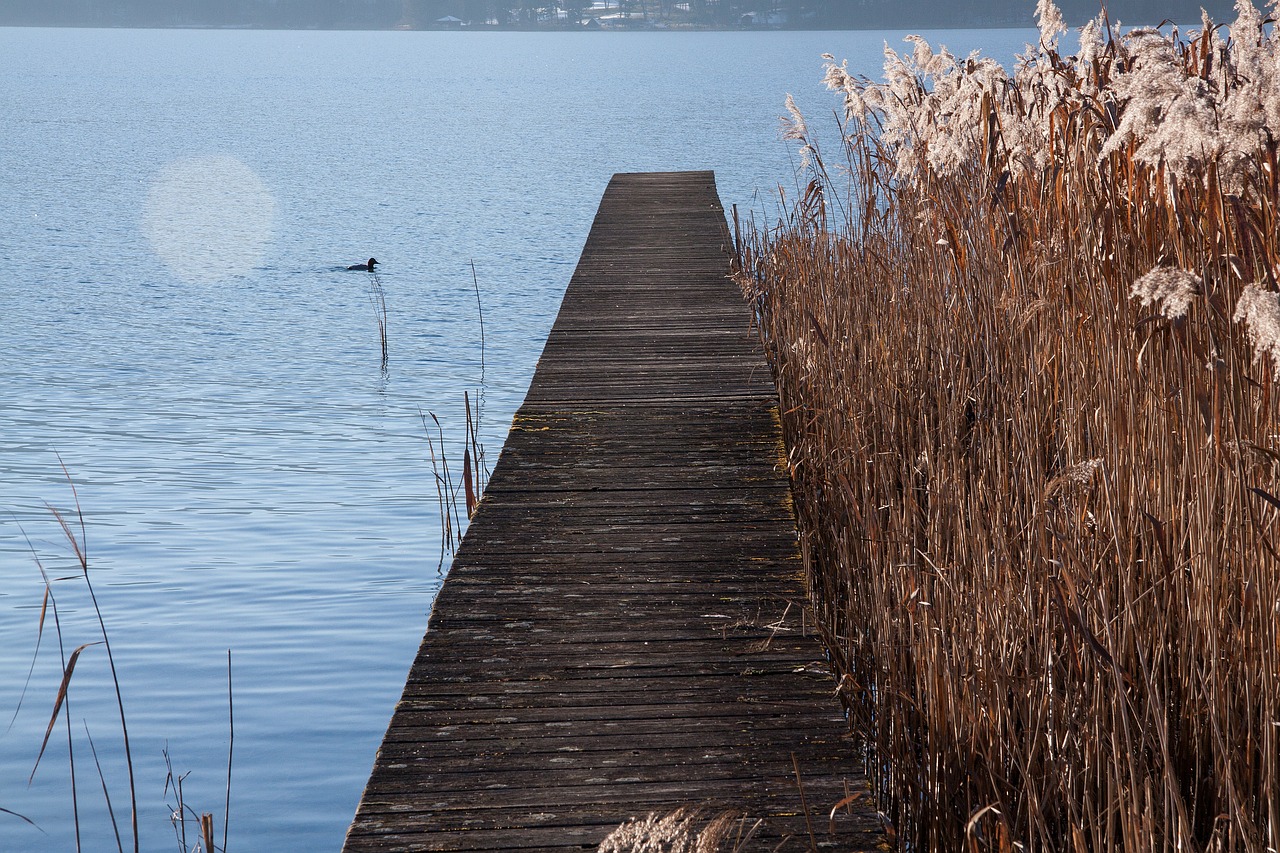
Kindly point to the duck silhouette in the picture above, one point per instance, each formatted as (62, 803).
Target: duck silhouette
(373, 262)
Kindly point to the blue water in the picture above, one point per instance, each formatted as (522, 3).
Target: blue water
(178, 329)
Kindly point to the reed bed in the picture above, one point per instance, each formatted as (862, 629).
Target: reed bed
(1027, 341)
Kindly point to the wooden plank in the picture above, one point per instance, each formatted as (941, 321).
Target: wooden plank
(623, 629)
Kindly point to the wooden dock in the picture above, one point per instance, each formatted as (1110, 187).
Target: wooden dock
(622, 630)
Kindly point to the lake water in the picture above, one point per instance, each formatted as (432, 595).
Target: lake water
(178, 328)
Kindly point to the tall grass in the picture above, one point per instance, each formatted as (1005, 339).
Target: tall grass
(468, 486)
(458, 494)
(74, 532)
(1027, 339)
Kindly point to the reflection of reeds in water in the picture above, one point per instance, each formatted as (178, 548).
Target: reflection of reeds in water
(1027, 361)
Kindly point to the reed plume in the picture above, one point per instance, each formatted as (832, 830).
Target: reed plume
(685, 830)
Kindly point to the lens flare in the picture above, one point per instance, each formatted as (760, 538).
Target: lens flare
(209, 218)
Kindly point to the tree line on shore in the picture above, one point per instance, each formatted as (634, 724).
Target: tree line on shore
(570, 14)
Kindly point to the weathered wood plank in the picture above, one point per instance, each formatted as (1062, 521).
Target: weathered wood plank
(623, 630)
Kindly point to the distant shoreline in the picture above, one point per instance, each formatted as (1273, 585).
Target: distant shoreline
(873, 23)
(587, 15)
(514, 29)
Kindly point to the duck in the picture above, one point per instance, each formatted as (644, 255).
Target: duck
(364, 267)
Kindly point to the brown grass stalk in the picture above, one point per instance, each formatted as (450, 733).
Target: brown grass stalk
(378, 299)
(468, 485)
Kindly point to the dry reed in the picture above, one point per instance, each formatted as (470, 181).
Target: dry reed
(1027, 357)
(79, 546)
(378, 300)
(74, 532)
(466, 487)
(685, 830)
